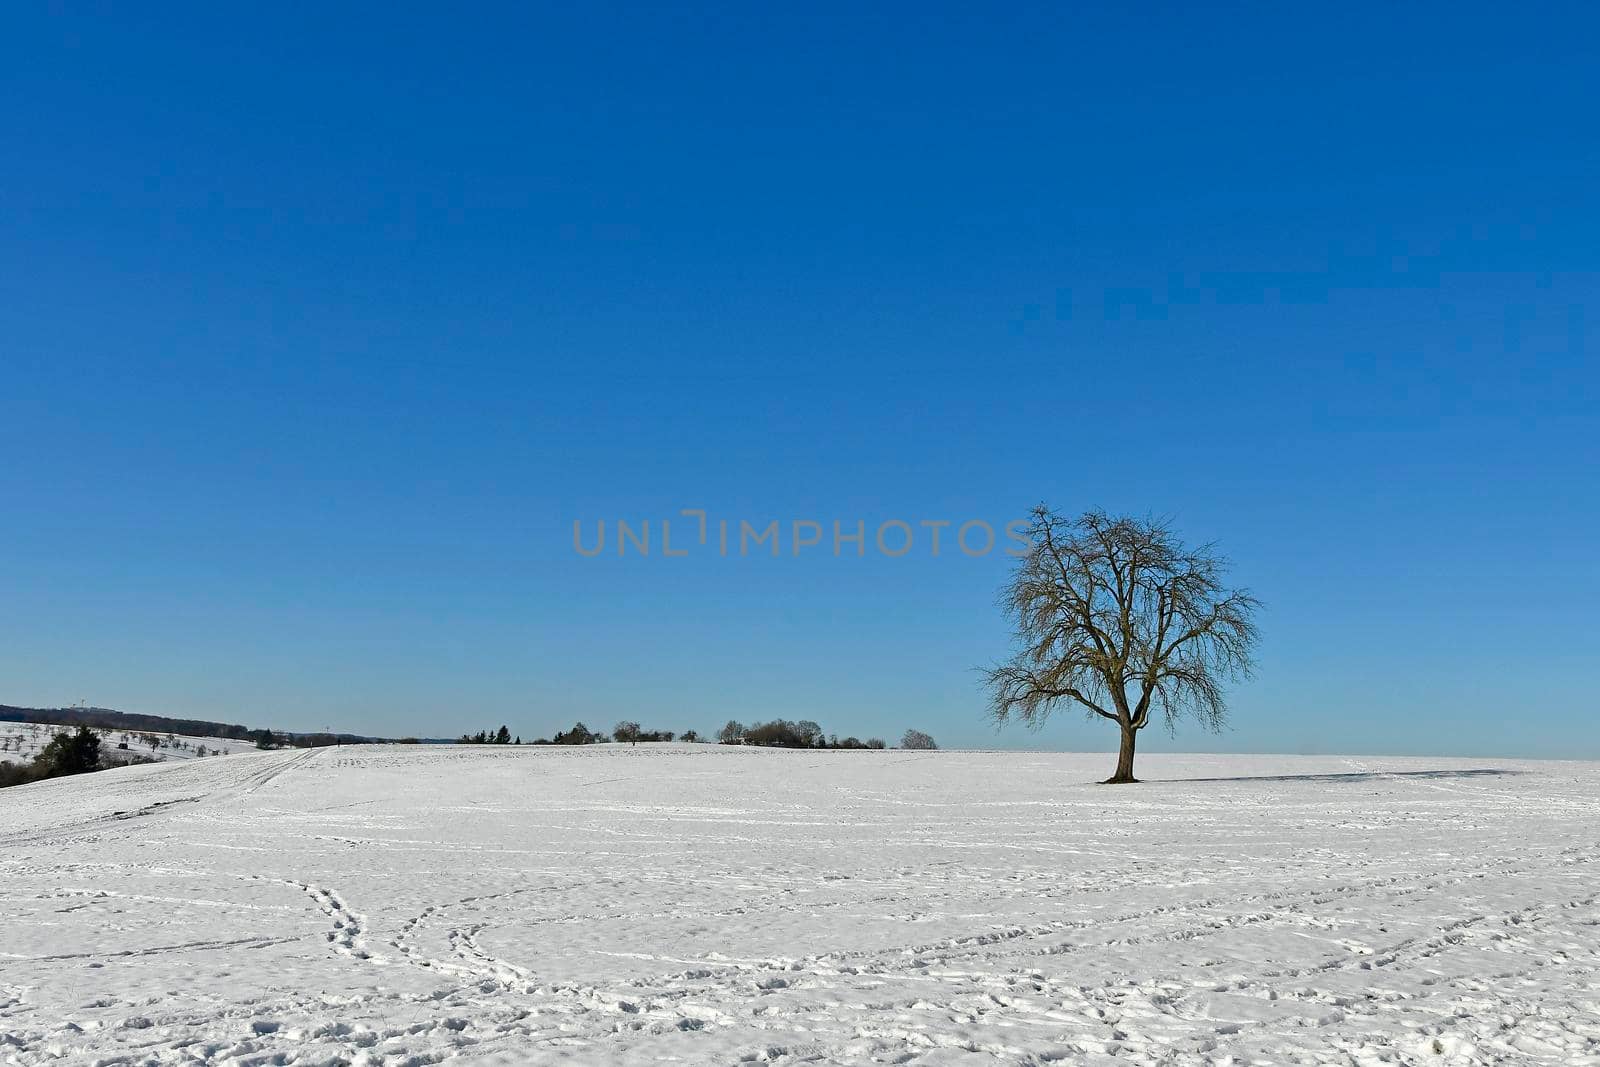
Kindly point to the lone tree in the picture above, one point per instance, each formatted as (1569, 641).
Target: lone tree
(627, 731)
(916, 739)
(1116, 616)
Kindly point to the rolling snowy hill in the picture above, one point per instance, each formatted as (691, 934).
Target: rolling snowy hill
(704, 904)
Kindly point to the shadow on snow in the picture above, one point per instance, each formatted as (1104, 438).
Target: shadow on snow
(1354, 776)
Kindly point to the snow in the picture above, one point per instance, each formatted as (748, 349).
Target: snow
(619, 905)
(22, 741)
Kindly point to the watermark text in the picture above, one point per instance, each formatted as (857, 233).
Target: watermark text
(693, 531)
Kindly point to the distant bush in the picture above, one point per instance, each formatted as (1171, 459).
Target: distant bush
(781, 733)
(18, 774)
(578, 735)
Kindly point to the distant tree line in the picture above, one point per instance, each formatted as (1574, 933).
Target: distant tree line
(107, 719)
(501, 736)
(157, 725)
(779, 733)
(266, 739)
(633, 733)
(578, 735)
(169, 741)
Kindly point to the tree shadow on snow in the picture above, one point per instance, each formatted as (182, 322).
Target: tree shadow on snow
(1358, 776)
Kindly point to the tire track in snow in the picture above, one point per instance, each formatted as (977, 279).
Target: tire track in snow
(232, 790)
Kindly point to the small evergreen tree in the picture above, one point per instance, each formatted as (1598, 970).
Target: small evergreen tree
(73, 753)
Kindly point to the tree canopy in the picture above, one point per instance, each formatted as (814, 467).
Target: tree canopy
(1117, 617)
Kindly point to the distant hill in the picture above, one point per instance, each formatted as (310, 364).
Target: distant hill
(108, 719)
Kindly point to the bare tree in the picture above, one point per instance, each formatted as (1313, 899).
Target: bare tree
(916, 739)
(628, 731)
(1116, 616)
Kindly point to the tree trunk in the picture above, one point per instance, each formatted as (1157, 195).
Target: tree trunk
(1124, 758)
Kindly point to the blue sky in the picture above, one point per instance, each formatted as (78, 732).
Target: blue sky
(318, 331)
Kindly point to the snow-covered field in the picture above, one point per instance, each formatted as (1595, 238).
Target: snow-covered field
(21, 741)
(700, 904)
